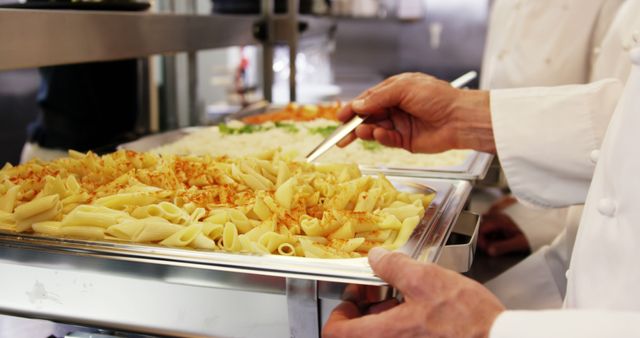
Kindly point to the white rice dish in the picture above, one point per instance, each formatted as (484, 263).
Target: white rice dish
(299, 138)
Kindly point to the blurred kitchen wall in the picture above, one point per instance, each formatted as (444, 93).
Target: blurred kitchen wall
(444, 38)
(18, 108)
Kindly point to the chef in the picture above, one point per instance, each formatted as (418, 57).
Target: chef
(544, 270)
(527, 45)
(548, 160)
(601, 53)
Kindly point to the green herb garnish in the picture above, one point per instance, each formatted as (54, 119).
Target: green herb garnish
(323, 131)
(225, 129)
(288, 127)
(246, 129)
(371, 145)
(250, 129)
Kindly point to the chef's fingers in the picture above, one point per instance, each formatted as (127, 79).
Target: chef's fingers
(365, 131)
(352, 293)
(514, 244)
(340, 325)
(489, 231)
(489, 225)
(385, 123)
(345, 113)
(390, 138)
(398, 270)
(378, 100)
(382, 307)
(347, 140)
(503, 203)
(345, 311)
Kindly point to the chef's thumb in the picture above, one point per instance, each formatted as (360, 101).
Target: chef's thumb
(396, 269)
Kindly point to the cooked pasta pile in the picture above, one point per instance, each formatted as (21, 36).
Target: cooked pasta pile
(263, 204)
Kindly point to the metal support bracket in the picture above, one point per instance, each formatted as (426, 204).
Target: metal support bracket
(303, 308)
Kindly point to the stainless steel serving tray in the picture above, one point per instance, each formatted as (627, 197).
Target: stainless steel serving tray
(425, 244)
(474, 167)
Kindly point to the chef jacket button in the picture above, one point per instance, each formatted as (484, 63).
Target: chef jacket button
(596, 51)
(502, 54)
(607, 207)
(567, 273)
(595, 155)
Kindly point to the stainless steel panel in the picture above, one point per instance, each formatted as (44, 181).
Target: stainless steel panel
(134, 297)
(33, 38)
(302, 299)
(459, 256)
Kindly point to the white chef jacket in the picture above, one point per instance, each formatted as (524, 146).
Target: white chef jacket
(514, 58)
(602, 297)
(602, 279)
(544, 270)
(544, 42)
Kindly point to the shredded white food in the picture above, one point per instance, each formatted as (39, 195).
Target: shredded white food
(300, 142)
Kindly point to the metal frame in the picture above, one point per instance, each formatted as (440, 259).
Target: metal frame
(34, 38)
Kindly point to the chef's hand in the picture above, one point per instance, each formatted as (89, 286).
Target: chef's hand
(499, 234)
(437, 303)
(420, 113)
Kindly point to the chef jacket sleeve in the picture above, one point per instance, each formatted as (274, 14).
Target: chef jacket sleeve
(539, 281)
(566, 324)
(547, 138)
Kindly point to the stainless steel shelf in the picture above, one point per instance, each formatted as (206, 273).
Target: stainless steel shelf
(33, 38)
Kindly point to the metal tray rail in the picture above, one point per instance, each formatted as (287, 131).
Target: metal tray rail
(475, 168)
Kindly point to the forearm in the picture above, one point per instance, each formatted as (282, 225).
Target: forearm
(472, 115)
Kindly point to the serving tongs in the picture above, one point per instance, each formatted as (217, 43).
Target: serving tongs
(352, 124)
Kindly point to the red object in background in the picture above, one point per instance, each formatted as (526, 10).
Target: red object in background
(240, 79)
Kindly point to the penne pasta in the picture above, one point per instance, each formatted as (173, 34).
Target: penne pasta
(84, 232)
(7, 221)
(48, 228)
(265, 204)
(8, 200)
(36, 206)
(184, 236)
